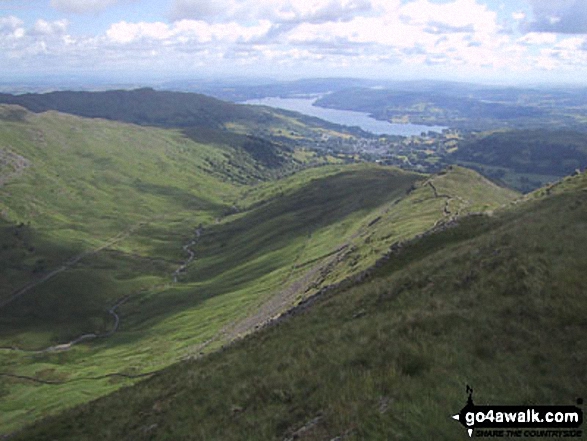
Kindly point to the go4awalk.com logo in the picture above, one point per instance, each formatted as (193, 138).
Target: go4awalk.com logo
(521, 421)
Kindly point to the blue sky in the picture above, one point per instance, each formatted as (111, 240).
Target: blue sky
(491, 41)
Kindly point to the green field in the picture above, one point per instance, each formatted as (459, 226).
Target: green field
(98, 216)
(496, 302)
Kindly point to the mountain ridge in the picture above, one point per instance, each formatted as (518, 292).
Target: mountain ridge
(116, 205)
(370, 355)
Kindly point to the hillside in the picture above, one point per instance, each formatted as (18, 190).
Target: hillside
(466, 107)
(181, 110)
(140, 106)
(497, 302)
(126, 248)
(524, 159)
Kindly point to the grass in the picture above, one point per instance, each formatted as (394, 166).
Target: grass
(523, 182)
(129, 198)
(495, 302)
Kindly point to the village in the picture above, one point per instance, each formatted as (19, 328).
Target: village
(425, 152)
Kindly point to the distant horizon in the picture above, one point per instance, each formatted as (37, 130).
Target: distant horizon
(87, 83)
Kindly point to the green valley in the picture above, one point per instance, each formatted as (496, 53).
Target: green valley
(127, 248)
(496, 301)
(325, 220)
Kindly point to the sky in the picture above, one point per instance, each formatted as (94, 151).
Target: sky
(491, 41)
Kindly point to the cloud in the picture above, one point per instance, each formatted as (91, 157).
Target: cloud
(459, 16)
(271, 35)
(277, 11)
(560, 16)
(198, 9)
(435, 27)
(83, 6)
(10, 23)
(185, 32)
(124, 32)
(538, 38)
(47, 28)
(11, 30)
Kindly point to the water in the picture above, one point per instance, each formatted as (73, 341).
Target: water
(344, 117)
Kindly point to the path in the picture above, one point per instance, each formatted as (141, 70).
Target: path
(284, 300)
(99, 377)
(112, 310)
(67, 265)
(91, 336)
(446, 209)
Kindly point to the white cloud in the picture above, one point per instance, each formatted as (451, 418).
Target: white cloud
(47, 28)
(547, 62)
(461, 32)
(572, 43)
(10, 24)
(278, 11)
(538, 38)
(185, 32)
(11, 31)
(83, 6)
(124, 32)
(458, 15)
(456, 35)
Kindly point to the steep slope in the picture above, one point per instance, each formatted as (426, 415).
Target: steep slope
(82, 182)
(497, 302)
(126, 248)
(95, 213)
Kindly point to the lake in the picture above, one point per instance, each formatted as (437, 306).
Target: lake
(344, 117)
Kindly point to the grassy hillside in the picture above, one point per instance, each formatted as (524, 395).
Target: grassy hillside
(186, 111)
(85, 182)
(94, 215)
(126, 248)
(466, 106)
(524, 159)
(141, 106)
(497, 302)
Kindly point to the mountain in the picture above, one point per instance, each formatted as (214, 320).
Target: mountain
(243, 90)
(493, 301)
(149, 107)
(466, 107)
(141, 106)
(543, 155)
(127, 248)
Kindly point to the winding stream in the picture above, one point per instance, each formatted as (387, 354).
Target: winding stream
(191, 254)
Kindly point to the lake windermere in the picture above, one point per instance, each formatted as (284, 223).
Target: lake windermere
(344, 117)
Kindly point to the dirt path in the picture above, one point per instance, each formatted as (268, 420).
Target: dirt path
(285, 299)
(446, 210)
(99, 377)
(91, 336)
(112, 310)
(67, 265)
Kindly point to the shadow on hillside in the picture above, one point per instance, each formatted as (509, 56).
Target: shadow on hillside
(231, 256)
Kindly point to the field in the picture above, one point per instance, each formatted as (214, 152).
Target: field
(125, 248)
(496, 302)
